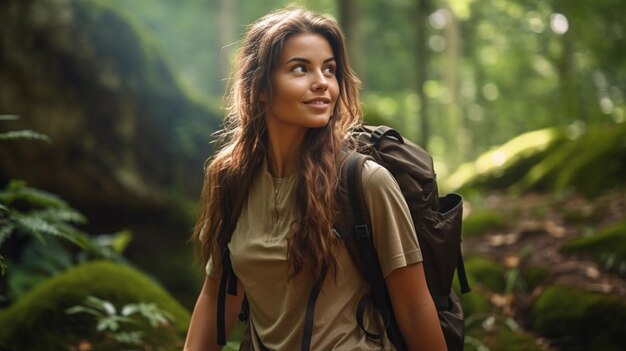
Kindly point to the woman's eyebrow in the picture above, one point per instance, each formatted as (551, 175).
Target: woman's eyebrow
(303, 60)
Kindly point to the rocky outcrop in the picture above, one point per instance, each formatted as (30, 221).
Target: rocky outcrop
(125, 135)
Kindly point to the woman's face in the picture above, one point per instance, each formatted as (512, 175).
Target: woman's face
(305, 84)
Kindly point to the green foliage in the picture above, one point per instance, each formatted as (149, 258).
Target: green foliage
(504, 165)
(32, 212)
(485, 272)
(38, 261)
(42, 259)
(42, 311)
(485, 276)
(21, 134)
(44, 214)
(474, 302)
(488, 332)
(592, 161)
(579, 320)
(46, 217)
(479, 223)
(533, 276)
(123, 327)
(607, 247)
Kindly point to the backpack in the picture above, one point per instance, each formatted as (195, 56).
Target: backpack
(437, 223)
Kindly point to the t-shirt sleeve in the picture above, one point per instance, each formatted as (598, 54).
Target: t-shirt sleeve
(393, 231)
(213, 267)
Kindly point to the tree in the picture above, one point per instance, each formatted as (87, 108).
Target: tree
(350, 19)
(424, 8)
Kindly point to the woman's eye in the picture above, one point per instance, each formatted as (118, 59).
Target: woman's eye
(299, 69)
(329, 70)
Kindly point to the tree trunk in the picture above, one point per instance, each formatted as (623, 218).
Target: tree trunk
(457, 140)
(350, 20)
(424, 8)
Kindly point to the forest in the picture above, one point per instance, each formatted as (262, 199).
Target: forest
(109, 109)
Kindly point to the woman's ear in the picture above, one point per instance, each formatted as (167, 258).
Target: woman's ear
(263, 96)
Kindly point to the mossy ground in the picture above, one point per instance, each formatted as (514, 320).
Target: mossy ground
(607, 247)
(38, 321)
(579, 320)
(481, 222)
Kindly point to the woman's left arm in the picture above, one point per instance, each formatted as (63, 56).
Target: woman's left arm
(414, 308)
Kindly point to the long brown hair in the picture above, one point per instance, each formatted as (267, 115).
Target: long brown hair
(229, 174)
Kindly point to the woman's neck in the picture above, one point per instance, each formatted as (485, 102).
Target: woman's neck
(283, 151)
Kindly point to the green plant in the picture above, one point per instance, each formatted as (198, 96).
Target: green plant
(36, 213)
(45, 217)
(31, 211)
(21, 134)
(42, 310)
(123, 327)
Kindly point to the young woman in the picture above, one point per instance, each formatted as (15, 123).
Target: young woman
(293, 102)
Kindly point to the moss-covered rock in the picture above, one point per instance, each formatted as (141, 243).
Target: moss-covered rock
(129, 141)
(534, 276)
(485, 272)
(505, 165)
(474, 303)
(607, 247)
(39, 320)
(577, 320)
(484, 275)
(590, 162)
(479, 223)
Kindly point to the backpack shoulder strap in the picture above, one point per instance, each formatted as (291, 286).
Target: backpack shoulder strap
(356, 232)
(228, 280)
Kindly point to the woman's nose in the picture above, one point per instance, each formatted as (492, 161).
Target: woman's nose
(320, 82)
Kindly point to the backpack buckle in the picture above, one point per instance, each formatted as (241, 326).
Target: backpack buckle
(361, 231)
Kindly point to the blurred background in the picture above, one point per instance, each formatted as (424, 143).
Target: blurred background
(107, 109)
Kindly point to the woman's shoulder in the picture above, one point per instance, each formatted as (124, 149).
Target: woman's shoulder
(376, 176)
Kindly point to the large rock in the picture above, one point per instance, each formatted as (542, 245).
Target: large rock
(125, 135)
(39, 321)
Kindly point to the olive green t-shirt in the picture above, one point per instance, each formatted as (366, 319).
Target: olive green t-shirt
(258, 251)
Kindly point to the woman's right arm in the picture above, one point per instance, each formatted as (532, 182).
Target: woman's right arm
(202, 334)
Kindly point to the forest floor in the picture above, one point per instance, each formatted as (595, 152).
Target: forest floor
(538, 227)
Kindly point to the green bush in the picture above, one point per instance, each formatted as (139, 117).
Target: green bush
(479, 223)
(579, 320)
(39, 320)
(607, 247)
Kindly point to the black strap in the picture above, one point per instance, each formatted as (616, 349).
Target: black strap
(360, 312)
(462, 276)
(309, 317)
(365, 245)
(383, 131)
(228, 283)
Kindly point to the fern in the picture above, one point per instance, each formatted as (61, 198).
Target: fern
(6, 228)
(17, 191)
(34, 212)
(21, 134)
(3, 266)
(24, 134)
(68, 215)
